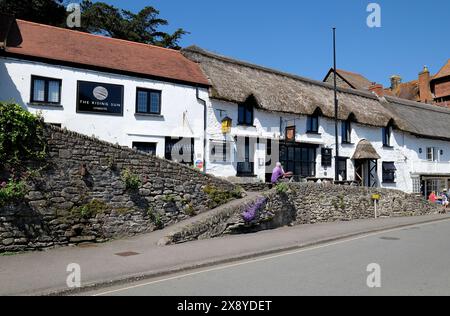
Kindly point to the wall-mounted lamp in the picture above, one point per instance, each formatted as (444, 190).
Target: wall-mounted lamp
(420, 150)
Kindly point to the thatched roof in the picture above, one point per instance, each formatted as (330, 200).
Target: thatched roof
(236, 81)
(420, 119)
(365, 150)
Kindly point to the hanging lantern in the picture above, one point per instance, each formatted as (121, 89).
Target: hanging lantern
(226, 125)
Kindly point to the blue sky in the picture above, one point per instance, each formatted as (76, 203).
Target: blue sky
(296, 36)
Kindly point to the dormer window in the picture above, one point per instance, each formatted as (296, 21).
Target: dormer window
(245, 114)
(346, 132)
(312, 124)
(387, 134)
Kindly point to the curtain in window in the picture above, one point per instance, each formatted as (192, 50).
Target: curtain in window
(53, 91)
(39, 90)
(142, 102)
(154, 98)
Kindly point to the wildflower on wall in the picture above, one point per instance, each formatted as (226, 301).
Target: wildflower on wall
(250, 212)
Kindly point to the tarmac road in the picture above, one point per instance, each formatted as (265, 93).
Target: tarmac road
(413, 261)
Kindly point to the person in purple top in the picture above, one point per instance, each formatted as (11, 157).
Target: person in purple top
(278, 173)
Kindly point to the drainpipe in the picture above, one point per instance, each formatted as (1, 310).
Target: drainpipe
(202, 101)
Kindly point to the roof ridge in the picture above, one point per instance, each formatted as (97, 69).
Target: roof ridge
(98, 36)
(196, 49)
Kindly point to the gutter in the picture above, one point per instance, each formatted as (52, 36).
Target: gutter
(202, 101)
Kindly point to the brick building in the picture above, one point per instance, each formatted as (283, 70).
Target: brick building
(433, 89)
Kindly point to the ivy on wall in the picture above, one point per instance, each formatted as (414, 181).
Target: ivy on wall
(21, 136)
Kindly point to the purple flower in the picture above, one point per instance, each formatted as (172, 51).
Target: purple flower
(3, 184)
(250, 213)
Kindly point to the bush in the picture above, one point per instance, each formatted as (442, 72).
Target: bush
(90, 209)
(132, 181)
(218, 196)
(21, 136)
(12, 191)
(155, 218)
(282, 188)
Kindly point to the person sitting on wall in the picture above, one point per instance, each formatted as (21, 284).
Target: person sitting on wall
(432, 197)
(278, 174)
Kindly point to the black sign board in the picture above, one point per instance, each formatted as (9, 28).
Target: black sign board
(100, 98)
(326, 157)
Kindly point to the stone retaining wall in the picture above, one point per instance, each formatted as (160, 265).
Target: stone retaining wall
(307, 203)
(81, 195)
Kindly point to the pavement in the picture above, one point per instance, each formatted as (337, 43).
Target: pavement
(412, 261)
(41, 273)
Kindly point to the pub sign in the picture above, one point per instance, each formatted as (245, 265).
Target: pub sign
(99, 98)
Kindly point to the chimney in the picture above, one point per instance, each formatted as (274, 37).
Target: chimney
(377, 88)
(396, 80)
(424, 86)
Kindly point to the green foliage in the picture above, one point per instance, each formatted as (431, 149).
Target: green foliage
(132, 181)
(12, 191)
(99, 18)
(169, 198)
(90, 209)
(218, 197)
(155, 218)
(50, 12)
(21, 136)
(282, 188)
(189, 210)
(142, 27)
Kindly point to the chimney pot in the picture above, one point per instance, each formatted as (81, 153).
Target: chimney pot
(396, 80)
(377, 88)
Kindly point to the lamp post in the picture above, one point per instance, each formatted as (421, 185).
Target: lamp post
(336, 109)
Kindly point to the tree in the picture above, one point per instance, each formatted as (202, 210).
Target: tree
(99, 18)
(50, 12)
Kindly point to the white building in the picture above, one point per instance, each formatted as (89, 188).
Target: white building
(147, 97)
(386, 142)
(127, 93)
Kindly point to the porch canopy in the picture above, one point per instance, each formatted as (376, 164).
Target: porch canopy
(365, 151)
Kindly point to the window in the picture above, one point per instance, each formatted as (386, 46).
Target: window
(245, 114)
(148, 101)
(346, 132)
(219, 151)
(389, 170)
(45, 90)
(246, 167)
(342, 168)
(312, 124)
(180, 150)
(416, 185)
(433, 154)
(387, 132)
(327, 157)
(149, 148)
(298, 159)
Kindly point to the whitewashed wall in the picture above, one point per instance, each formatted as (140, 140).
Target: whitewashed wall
(181, 113)
(405, 151)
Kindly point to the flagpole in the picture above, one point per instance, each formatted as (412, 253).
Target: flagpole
(336, 108)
